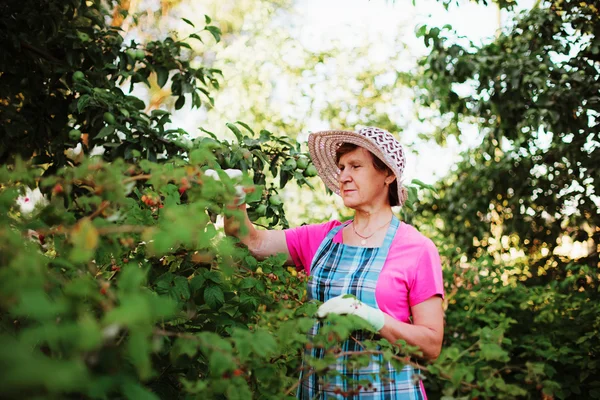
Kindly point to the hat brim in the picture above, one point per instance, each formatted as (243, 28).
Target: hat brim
(323, 145)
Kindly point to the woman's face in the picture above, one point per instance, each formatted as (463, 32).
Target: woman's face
(361, 184)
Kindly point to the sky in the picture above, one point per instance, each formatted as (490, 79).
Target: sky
(326, 20)
(316, 23)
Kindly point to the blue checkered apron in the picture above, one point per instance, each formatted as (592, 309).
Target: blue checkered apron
(342, 269)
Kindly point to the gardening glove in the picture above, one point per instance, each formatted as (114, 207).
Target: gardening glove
(240, 194)
(348, 304)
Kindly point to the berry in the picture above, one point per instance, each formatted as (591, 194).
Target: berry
(57, 189)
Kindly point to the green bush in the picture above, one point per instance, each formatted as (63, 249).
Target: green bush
(121, 283)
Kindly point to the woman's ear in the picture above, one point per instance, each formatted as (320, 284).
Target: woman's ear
(390, 178)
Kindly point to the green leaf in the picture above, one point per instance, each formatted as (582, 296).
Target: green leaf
(245, 127)
(263, 343)
(187, 21)
(184, 346)
(216, 32)
(180, 102)
(214, 276)
(248, 283)
(131, 278)
(134, 309)
(134, 391)
(83, 102)
(37, 305)
(239, 390)
(220, 362)
(195, 36)
(181, 289)
(138, 351)
(104, 132)
(213, 296)
(423, 185)
(197, 282)
(162, 74)
(493, 352)
(235, 131)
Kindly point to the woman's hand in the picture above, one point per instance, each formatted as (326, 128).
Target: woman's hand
(240, 193)
(348, 304)
(261, 243)
(426, 332)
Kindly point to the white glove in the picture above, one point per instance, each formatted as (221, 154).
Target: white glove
(351, 305)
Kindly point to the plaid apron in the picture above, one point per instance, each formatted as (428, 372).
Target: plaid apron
(341, 269)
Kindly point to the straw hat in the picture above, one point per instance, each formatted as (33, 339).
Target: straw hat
(323, 145)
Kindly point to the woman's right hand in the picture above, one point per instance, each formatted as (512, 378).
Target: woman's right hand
(261, 243)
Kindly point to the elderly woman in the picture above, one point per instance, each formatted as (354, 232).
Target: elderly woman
(391, 269)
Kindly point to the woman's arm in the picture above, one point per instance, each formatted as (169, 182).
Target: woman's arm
(261, 243)
(426, 331)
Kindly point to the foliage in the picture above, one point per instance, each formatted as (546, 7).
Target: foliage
(513, 208)
(62, 68)
(121, 283)
(123, 278)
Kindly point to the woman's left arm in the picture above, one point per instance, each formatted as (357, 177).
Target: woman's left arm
(426, 331)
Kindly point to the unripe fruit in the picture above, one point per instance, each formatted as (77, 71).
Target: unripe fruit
(275, 200)
(109, 118)
(291, 164)
(261, 209)
(78, 76)
(74, 134)
(131, 53)
(84, 37)
(310, 171)
(140, 54)
(302, 162)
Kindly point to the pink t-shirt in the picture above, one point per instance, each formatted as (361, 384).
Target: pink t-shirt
(411, 274)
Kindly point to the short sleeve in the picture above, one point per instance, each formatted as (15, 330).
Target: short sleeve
(303, 242)
(428, 278)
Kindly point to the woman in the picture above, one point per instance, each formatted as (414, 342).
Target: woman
(393, 271)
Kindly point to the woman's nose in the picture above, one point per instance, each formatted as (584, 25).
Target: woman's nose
(344, 176)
